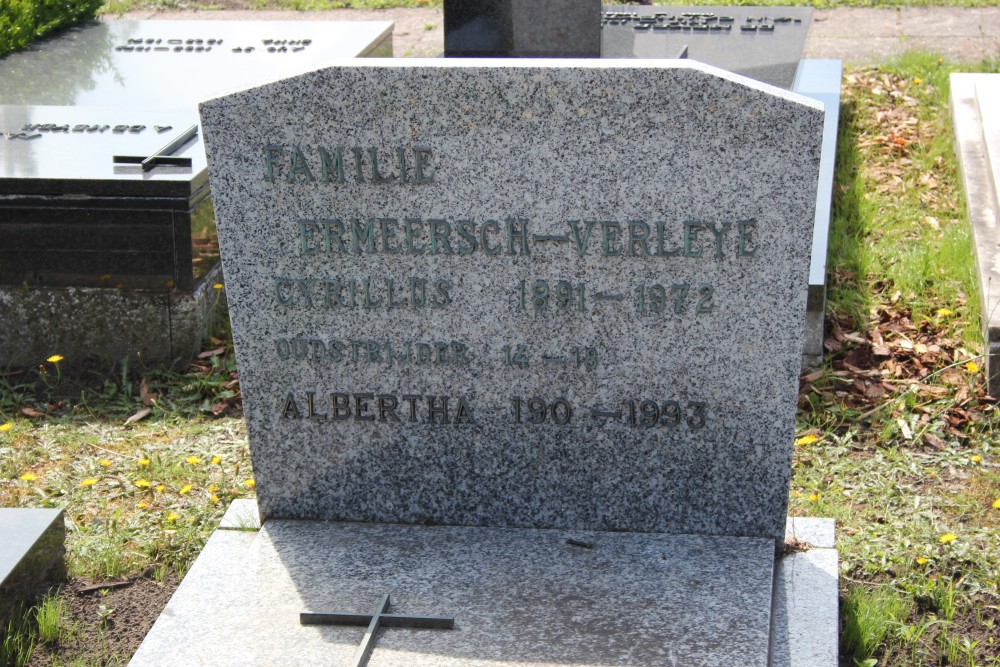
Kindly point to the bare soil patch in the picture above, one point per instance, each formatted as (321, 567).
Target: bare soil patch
(105, 624)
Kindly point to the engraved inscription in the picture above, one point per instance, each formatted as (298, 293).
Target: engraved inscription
(376, 407)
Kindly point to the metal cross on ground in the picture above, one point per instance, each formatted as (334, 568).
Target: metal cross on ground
(163, 156)
(379, 619)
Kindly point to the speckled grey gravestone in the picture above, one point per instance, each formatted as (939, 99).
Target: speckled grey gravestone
(555, 304)
(520, 294)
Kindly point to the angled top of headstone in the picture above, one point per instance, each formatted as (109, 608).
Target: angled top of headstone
(522, 28)
(171, 64)
(564, 293)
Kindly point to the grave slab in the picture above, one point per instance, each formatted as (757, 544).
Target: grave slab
(519, 597)
(31, 553)
(105, 207)
(176, 64)
(974, 108)
(805, 626)
(820, 80)
(235, 563)
(762, 43)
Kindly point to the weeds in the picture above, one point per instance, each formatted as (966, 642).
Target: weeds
(49, 618)
(903, 447)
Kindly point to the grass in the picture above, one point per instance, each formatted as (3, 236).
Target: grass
(897, 440)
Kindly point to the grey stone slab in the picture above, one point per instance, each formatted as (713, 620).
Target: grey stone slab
(242, 514)
(988, 106)
(762, 43)
(804, 632)
(31, 553)
(821, 80)
(102, 64)
(522, 28)
(519, 597)
(209, 587)
(819, 533)
(106, 324)
(534, 148)
(982, 207)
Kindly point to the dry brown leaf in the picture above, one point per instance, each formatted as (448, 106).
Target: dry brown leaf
(812, 377)
(32, 412)
(934, 441)
(217, 352)
(148, 397)
(141, 414)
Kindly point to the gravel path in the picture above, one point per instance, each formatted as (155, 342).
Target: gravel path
(851, 34)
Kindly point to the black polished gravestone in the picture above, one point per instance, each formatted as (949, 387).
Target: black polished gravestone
(109, 248)
(79, 208)
(522, 28)
(103, 256)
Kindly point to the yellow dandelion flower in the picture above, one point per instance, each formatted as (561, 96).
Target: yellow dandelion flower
(185, 489)
(917, 80)
(217, 286)
(6, 426)
(976, 458)
(193, 460)
(796, 494)
(142, 505)
(105, 463)
(947, 538)
(249, 483)
(807, 440)
(213, 488)
(105, 277)
(90, 481)
(216, 460)
(173, 516)
(55, 359)
(972, 367)
(160, 488)
(996, 504)
(143, 483)
(170, 284)
(144, 463)
(922, 561)
(813, 497)
(215, 498)
(29, 477)
(940, 60)
(944, 312)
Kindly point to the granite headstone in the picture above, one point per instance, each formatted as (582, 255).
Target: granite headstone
(480, 302)
(462, 295)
